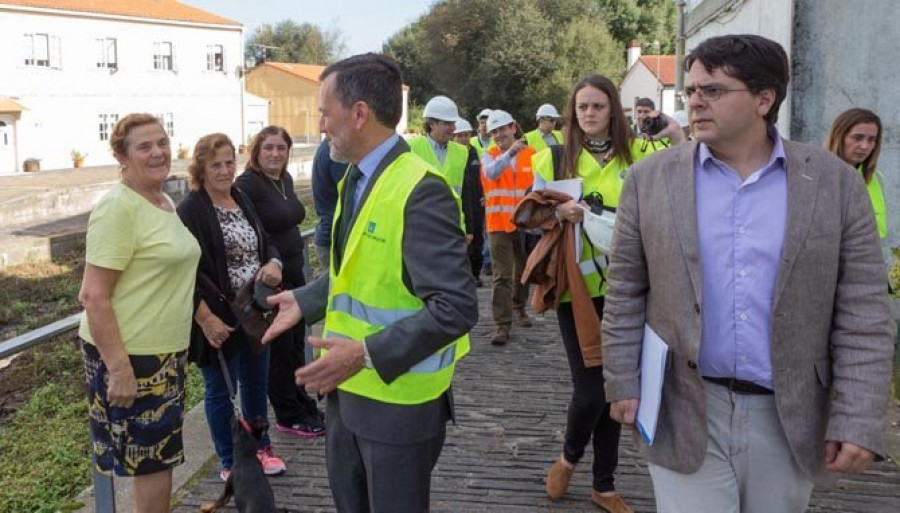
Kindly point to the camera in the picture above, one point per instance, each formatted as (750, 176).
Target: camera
(654, 125)
(595, 202)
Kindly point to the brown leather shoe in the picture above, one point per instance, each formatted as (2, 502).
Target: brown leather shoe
(610, 503)
(501, 336)
(558, 479)
(523, 319)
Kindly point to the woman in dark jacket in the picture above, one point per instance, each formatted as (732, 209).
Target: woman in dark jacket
(234, 250)
(271, 190)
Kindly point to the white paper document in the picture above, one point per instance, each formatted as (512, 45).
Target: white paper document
(599, 229)
(573, 187)
(653, 369)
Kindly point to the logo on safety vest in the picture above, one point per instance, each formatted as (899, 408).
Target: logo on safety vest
(370, 232)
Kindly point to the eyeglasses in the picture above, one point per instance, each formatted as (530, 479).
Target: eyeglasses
(706, 93)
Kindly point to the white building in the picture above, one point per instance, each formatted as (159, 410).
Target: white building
(648, 76)
(71, 68)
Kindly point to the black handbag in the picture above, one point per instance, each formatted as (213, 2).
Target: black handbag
(252, 312)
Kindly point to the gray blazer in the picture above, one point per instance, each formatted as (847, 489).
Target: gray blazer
(436, 269)
(831, 330)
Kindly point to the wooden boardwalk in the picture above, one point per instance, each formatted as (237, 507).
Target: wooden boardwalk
(511, 404)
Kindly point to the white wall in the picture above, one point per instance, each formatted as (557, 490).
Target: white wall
(768, 18)
(640, 82)
(64, 104)
(256, 116)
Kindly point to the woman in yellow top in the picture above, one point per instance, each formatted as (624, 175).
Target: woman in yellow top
(138, 297)
(598, 148)
(855, 137)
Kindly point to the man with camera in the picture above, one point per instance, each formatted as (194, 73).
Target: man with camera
(642, 109)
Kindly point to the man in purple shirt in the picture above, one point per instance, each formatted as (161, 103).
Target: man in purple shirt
(757, 260)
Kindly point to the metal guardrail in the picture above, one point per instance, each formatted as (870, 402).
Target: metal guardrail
(104, 490)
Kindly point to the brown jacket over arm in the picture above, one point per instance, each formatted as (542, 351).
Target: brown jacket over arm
(553, 268)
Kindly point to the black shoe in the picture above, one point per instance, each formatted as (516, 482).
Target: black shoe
(310, 426)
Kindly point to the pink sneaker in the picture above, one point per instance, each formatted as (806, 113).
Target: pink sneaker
(225, 474)
(271, 464)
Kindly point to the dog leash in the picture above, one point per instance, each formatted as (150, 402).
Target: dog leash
(231, 393)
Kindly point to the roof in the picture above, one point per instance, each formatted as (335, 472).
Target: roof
(8, 105)
(666, 74)
(155, 9)
(308, 71)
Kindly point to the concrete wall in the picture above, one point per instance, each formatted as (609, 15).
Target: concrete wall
(844, 56)
(65, 101)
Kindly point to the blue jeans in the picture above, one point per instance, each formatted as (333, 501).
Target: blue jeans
(250, 375)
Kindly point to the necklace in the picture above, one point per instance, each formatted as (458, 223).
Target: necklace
(278, 188)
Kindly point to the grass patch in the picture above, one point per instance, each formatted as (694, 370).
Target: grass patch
(44, 445)
(38, 293)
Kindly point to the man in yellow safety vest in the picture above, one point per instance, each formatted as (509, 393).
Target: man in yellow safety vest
(398, 300)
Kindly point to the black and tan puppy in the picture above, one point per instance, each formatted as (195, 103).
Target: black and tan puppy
(247, 482)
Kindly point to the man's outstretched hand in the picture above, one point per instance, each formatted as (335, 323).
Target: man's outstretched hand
(289, 314)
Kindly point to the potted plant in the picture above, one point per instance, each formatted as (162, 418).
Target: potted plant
(78, 158)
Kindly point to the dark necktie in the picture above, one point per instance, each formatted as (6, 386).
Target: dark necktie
(347, 206)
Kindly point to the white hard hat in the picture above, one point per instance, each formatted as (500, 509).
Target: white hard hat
(441, 108)
(484, 113)
(499, 118)
(682, 118)
(547, 111)
(462, 126)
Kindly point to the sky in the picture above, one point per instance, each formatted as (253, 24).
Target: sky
(365, 24)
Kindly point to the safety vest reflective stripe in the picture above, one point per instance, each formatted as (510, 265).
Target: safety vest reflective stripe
(500, 208)
(587, 266)
(518, 194)
(370, 314)
(434, 363)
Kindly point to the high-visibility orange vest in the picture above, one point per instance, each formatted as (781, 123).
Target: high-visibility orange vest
(505, 192)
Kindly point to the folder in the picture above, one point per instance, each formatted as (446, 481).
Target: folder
(654, 352)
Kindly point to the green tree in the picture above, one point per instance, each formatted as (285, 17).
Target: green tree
(517, 54)
(405, 48)
(288, 41)
(643, 20)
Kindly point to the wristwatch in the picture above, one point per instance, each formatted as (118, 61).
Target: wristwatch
(367, 360)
